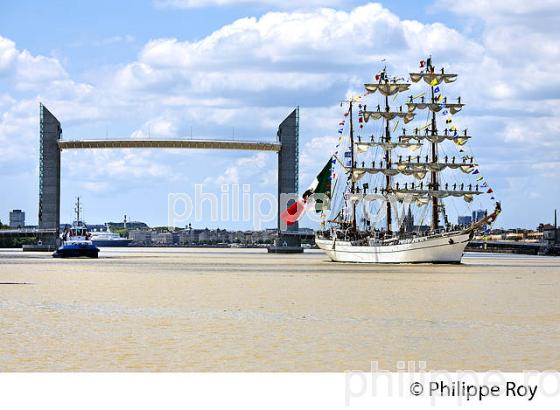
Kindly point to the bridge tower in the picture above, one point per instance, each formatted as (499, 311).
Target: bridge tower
(288, 182)
(49, 170)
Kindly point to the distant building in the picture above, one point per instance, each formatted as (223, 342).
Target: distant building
(140, 237)
(551, 235)
(479, 214)
(408, 222)
(17, 219)
(464, 220)
(188, 236)
(163, 238)
(206, 236)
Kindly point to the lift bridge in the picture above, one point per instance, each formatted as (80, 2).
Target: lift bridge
(52, 144)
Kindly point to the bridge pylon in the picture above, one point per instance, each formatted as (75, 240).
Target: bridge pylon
(288, 183)
(49, 172)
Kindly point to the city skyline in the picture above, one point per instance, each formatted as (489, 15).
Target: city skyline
(181, 68)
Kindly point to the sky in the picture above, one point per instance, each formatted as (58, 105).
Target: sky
(236, 68)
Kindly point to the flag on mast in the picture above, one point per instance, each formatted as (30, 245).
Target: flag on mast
(321, 185)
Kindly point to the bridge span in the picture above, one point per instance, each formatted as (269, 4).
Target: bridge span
(170, 143)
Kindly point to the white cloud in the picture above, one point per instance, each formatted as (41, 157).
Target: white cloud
(8, 55)
(306, 58)
(536, 132)
(326, 37)
(243, 169)
(114, 40)
(106, 171)
(548, 169)
(96, 186)
(28, 71)
(314, 152)
(501, 9)
(521, 43)
(285, 4)
(18, 126)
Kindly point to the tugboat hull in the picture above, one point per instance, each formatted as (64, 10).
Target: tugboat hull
(76, 252)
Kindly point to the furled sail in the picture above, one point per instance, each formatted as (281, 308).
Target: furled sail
(417, 170)
(419, 196)
(387, 146)
(422, 200)
(433, 78)
(440, 194)
(387, 88)
(419, 199)
(371, 197)
(388, 115)
(467, 168)
(358, 173)
(437, 138)
(454, 108)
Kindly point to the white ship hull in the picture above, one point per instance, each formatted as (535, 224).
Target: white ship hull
(436, 249)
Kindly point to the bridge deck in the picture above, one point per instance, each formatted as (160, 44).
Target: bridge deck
(26, 232)
(171, 143)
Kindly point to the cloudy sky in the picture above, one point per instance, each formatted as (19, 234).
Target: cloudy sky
(236, 68)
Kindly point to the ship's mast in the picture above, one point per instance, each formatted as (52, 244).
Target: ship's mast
(434, 179)
(433, 79)
(387, 88)
(388, 160)
(77, 209)
(353, 186)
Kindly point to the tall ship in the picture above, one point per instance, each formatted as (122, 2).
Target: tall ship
(388, 175)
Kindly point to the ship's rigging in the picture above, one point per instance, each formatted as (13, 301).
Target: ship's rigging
(384, 171)
(411, 163)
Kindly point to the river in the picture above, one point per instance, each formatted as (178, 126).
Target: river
(167, 309)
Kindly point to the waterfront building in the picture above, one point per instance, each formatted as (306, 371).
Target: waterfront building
(17, 219)
(188, 236)
(140, 237)
(206, 236)
(551, 235)
(163, 238)
(464, 220)
(479, 214)
(408, 222)
(551, 232)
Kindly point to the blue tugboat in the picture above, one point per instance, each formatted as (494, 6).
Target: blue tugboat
(76, 241)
